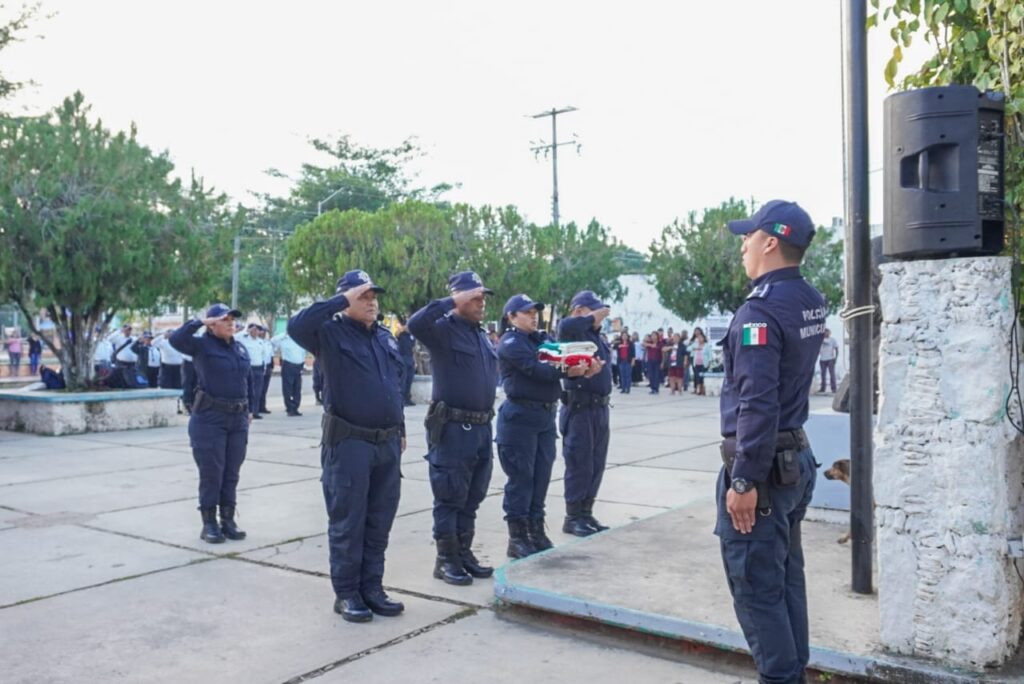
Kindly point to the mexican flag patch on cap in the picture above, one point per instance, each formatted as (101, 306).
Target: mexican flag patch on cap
(782, 229)
(755, 334)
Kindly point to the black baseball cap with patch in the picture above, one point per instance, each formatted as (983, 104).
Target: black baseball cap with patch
(781, 219)
(354, 279)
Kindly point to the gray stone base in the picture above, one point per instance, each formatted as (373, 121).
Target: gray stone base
(422, 386)
(68, 413)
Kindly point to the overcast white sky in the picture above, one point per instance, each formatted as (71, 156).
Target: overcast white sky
(680, 104)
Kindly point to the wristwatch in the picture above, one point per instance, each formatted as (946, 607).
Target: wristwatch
(741, 485)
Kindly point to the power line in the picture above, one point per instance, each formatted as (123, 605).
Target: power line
(541, 146)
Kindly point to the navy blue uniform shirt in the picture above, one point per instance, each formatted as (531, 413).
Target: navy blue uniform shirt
(769, 353)
(222, 368)
(406, 344)
(361, 366)
(581, 329)
(522, 375)
(464, 361)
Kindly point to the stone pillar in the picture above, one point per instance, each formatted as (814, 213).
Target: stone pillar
(948, 474)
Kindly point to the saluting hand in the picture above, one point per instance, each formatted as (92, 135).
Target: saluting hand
(356, 292)
(208, 322)
(741, 508)
(600, 314)
(464, 296)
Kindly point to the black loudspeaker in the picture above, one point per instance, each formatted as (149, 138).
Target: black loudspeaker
(943, 168)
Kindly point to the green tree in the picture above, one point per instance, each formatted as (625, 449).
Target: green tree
(581, 259)
(698, 270)
(976, 42)
(92, 223)
(11, 32)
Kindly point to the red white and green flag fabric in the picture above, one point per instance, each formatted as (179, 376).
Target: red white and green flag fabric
(755, 334)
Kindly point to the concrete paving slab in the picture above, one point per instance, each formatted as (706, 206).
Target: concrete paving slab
(537, 656)
(654, 487)
(171, 433)
(625, 448)
(706, 458)
(269, 515)
(44, 446)
(42, 561)
(678, 596)
(128, 489)
(74, 463)
(699, 426)
(216, 621)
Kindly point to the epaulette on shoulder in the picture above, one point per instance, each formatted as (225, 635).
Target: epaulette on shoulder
(760, 292)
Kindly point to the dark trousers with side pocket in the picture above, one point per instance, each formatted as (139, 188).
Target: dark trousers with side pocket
(527, 445)
(362, 486)
(291, 385)
(585, 436)
(765, 573)
(218, 447)
(460, 472)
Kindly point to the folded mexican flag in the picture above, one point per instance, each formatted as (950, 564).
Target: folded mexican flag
(567, 354)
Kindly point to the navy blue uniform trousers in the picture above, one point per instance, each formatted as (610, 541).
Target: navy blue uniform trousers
(361, 483)
(527, 454)
(218, 446)
(585, 450)
(765, 571)
(291, 385)
(460, 471)
(255, 387)
(188, 384)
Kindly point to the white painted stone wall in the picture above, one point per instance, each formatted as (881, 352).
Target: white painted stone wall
(947, 472)
(68, 418)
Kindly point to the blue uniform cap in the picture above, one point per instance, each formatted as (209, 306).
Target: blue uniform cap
(588, 299)
(355, 279)
(784, 220)
(466, 280)
(521, 302)
(218, 310)
(147, 333)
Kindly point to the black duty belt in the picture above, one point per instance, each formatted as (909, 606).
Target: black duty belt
(529, 403)
(787, 440)
(337, 429)
(584, 399)
(454, 415)
(205, 401)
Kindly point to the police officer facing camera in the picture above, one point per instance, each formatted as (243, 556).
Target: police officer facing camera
(526, 432)
(363, 439)
(458, 420)
(584, 417)
(219, 426)
(769, 470)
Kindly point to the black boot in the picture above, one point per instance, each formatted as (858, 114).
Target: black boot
(575, 522)
(227, 524)
(353, 609)
(519, 545)
(538, 538)
(448, 566)
(210, 533)
(588, 514)
(377, 601)
(469, 561)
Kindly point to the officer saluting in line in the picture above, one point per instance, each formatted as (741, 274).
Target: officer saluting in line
(458, 420)
(768, 479)
(584, 418)
(219, 426)
(526, 433)
(363, 439)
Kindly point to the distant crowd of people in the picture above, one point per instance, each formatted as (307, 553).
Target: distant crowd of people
(669, 359)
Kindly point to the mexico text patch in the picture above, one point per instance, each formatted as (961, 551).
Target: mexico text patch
(755, 334)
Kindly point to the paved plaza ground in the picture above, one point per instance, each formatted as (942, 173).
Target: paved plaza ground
(104, 577)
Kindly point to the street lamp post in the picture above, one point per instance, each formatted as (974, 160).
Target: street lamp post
(320, 204)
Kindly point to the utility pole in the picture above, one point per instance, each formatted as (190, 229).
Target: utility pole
(553, 148)
(234, 273)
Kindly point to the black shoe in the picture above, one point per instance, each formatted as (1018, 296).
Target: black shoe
(519, 545)
(293, 414)
(575, 523)
(257, 416)
(211, 532)
(469, 561)
(377, 601)
(538, 537)
(267, 411)
(588, 515)
(448, 566)
(353, 609)
(227, 524)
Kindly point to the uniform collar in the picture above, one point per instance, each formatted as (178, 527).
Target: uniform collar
(226, 343)
(787, 273)
(462, 321)
(356, 325)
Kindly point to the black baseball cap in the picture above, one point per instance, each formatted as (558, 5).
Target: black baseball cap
(521, 302)
(588, 299)
(466, 280)
(355, 279)
(781, 219)
(219, 310)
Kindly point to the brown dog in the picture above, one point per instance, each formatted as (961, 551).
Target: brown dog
(840, 470)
